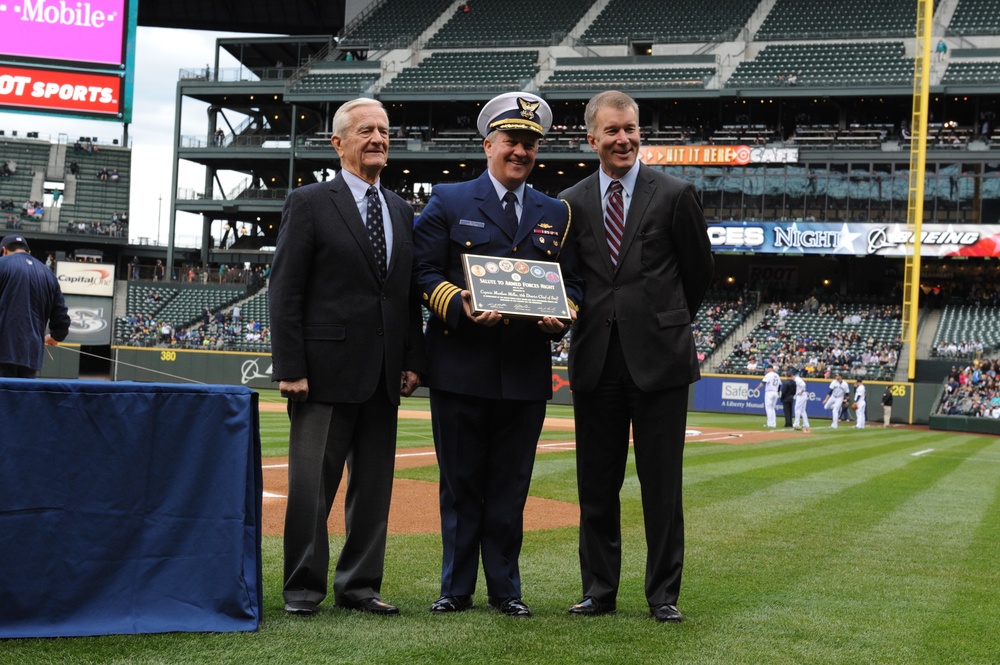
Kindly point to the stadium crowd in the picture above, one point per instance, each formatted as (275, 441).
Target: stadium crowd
(717, 319)
(963, 349)
(722, 312)
(842, 349)
(216, 331)
(972, 390)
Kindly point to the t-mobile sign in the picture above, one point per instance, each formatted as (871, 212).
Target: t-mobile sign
(81, 32)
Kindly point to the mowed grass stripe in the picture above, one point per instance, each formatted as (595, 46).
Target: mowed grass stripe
(724, 460)
(900, 587)
(772, 564)
(964, 629)
(732, 480)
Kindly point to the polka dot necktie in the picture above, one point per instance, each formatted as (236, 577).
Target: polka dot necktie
(376, 232)
(614, 220)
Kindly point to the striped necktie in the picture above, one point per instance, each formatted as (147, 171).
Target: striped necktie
(614, 220)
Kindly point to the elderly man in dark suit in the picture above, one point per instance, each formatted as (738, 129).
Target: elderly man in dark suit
(647, 263)
(346, 343)
(489, 375)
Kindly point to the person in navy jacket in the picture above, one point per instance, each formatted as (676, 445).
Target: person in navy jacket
(490, 374)
(30, 302)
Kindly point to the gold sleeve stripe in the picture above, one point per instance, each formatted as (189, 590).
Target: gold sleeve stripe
(442, 307)
(441, 296)
(572, 305)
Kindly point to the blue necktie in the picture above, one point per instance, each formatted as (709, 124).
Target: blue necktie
(510, 210)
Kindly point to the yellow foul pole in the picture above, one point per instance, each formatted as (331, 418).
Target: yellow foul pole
(918, 163)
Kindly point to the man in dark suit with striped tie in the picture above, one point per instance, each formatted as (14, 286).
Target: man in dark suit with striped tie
(646, 261)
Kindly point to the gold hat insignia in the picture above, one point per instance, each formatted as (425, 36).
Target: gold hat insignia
(528, 108)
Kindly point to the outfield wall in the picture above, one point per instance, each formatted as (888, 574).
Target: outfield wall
(966, 424)
(169, 365)
(735, 393)
(724, 393)
(61, 362)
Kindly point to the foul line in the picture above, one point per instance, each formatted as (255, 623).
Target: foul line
(717, 436)
(923, 452)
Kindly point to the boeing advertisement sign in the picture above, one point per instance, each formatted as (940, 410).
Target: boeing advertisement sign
(853, 238)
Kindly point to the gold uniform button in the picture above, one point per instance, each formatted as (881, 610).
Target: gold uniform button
(468, 243)
(506, 322)
(549, 252)
(515, 248)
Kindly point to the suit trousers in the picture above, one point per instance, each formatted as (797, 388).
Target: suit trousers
(485, 450)
(658, 420)
(786, 406)
(323, 438)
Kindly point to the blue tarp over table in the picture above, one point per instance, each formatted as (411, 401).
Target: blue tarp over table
(128, 508)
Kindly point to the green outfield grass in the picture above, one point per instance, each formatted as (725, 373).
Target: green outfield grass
(842, 546)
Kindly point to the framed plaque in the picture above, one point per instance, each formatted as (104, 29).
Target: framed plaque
(514, 287)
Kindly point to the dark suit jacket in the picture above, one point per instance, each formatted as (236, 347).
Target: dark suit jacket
(787, 390)
(333, 320)
(513, 359)
(665, 267)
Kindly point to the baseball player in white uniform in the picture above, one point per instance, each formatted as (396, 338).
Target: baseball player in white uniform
(799, 406)
(772, 388)
(859, 401)
(835, 398)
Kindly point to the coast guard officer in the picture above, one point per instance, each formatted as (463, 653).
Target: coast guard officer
(489, 374)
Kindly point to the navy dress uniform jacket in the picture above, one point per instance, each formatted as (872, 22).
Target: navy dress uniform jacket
(513, 359)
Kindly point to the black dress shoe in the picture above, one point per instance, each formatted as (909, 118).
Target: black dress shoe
(591, 607)
(301, 608)
(512, 607)
(666, 613)
(371, 606)
(446, 604)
